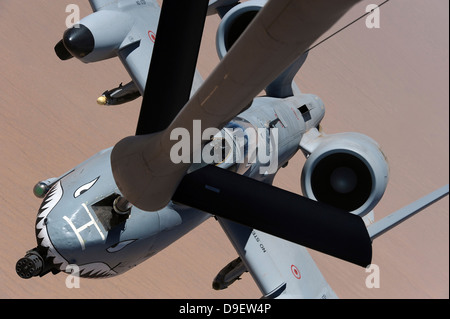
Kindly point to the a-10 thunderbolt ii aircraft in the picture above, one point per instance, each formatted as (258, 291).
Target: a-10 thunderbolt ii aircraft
(128, 202)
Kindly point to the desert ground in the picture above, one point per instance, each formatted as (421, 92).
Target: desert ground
(390, 83)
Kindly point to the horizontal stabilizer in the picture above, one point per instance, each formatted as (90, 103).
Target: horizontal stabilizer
(404, 213)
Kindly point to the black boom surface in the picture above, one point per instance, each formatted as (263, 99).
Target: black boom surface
(278, 212)
(173, 63)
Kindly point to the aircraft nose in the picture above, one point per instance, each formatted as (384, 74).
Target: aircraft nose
(79, 41)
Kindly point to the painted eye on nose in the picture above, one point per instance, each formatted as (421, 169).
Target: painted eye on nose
(84, 188)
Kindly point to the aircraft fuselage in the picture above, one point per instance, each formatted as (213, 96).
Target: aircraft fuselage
(77, 224)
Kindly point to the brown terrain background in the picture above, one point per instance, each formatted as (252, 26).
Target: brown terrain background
(390, 83)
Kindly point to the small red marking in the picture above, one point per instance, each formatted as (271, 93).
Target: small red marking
(295, 114)
(152, 36)
(296, 272)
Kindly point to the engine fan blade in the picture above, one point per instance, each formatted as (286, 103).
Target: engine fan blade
(278, 35)
(172, 67)
(278, 212)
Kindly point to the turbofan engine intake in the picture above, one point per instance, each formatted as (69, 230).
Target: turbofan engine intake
(346, 170)
(234, 22)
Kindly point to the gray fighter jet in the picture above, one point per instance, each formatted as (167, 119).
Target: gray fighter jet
(212, 148)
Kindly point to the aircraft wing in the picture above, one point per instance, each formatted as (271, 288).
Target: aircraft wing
(138, 44)
(280, 268)
(379, 228)
(283, 269)
(124, 28)
(98, 5)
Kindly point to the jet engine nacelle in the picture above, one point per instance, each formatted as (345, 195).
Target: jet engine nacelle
(96, 37)
(234, 23)
(346, 170)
